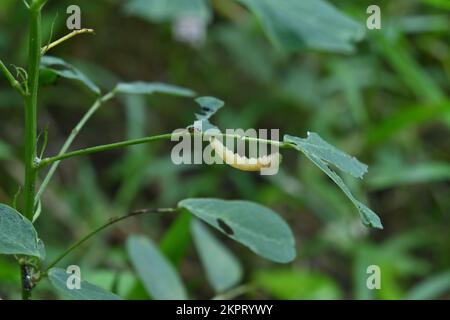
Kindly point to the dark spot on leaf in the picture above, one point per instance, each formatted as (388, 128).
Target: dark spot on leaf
(225, 228)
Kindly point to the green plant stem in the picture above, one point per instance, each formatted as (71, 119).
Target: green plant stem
(31, 111)
(92, 110)
(117, 145)
(106, 225)
(34, 59)
(12, 80)
(106, 147)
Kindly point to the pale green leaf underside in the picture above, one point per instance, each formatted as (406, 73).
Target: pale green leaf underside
(65, 70)
(295, 24)
(88, 291)
(158, 275)
(222, 268)
(17, 234)
(318, 147)
(147, 88)
(209, 106)
(255, 226)
(319, 157)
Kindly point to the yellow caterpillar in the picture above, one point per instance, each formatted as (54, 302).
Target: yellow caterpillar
(241, 162)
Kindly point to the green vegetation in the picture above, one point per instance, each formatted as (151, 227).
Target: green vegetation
(86, 177)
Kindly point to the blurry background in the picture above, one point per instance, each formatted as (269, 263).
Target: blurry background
(384, 99)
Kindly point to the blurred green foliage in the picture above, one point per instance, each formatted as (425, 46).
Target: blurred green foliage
(386, 101)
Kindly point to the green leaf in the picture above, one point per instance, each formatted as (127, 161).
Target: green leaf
(17, 234)
(156, 272)
(297, 284)
(88, 291)
(148, 88)
(222, 268)
(209, 105)
(177, 239)
(316, 146)
(63, 69)
(431, 288)
(293, 24)
(255, 226)
(163, 10)
(322, 160)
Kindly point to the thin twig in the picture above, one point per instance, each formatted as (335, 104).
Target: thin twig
(65, 38)
(168, 136)
(12, 80)
(94, 232)
(98, 103)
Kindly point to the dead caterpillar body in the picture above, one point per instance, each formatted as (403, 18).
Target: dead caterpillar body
(242, 162)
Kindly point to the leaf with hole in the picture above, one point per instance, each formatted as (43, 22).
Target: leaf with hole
(17, 234)
(322, 158)
(209, 107)
(314, 145)
(253, 225)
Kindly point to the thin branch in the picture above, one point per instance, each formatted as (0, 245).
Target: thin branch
(65, 38)
(12, 80)
(46, 161)
(92, 110)
(168, 136)
(94, 232)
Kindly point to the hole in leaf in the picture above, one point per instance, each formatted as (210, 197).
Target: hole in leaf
(225, 228)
